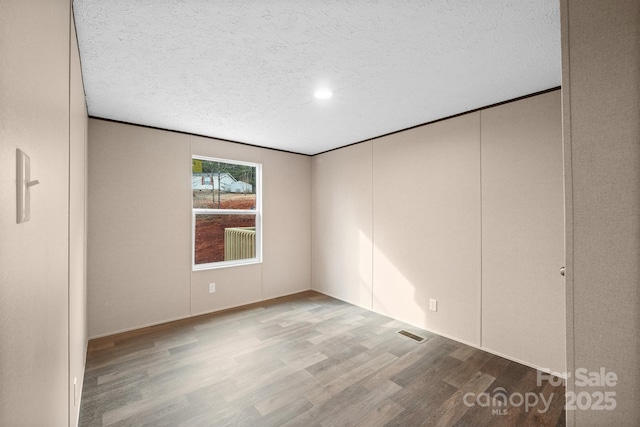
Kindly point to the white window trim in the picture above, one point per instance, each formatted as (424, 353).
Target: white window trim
(257, 212)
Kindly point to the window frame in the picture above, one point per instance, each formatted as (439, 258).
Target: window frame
(206, 211)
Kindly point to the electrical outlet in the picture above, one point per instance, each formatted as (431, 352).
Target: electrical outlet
(212, 288)
(433, 304)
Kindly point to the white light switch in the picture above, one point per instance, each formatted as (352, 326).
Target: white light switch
(433, 304)
(212, 288)
(23, 186)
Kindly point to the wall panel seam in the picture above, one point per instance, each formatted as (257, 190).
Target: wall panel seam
(481, 218)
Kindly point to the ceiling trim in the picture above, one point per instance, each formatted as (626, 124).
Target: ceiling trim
(344, 146)
(445, 118)
(199, 135)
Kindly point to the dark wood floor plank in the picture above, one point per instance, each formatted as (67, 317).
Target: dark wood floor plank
(366, 403)
(463, 352)
(272, 401)
(454, 408)
(470, 367)
(322, 394)
(425, 382)
(432, 353)
(383, 375)
(383, 413)
(425, 393)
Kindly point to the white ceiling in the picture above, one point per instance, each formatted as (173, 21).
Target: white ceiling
(246, 70)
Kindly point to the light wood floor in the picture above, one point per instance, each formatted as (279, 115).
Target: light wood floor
(307, 360)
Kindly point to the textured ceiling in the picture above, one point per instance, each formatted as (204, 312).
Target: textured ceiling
(246, 70)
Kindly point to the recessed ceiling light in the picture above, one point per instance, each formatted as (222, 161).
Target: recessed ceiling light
(323, 93)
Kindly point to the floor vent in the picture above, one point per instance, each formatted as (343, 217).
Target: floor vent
(410, 335)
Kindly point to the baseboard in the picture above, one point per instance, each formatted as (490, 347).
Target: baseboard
(95, 342)
(76, 417)
(470, 344)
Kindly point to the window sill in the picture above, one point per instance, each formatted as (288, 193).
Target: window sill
(225, 264)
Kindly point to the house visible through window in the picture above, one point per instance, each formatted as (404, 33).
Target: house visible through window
(226, 212)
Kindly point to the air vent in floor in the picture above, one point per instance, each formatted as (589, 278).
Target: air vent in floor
(410, 335)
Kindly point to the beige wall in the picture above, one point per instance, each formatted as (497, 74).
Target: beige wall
(426, 226)
(139, 255)
(41, 261)
(287, 205)
(139, 227)
(523, 231)
(342, 227)
(398, 221)
(77, 232)
(601, 80)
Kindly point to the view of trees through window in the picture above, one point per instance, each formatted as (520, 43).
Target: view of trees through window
(226, 211)
(221, 185)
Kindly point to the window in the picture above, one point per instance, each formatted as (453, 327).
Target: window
(226, 212)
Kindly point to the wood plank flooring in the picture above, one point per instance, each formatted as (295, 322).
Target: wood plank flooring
(305, 360)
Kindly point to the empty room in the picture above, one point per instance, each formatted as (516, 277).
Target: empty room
(319, 213)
